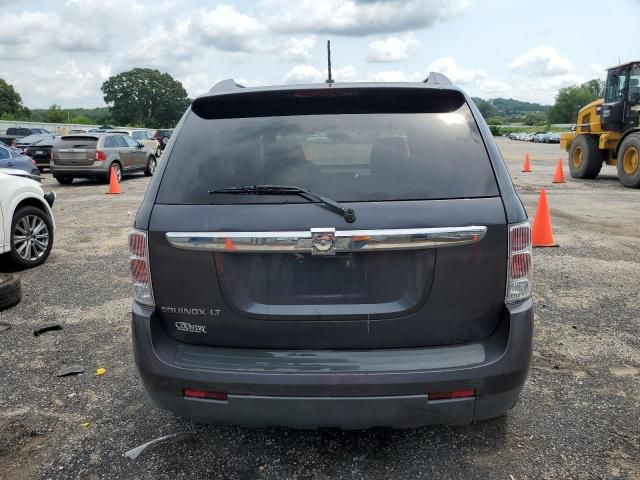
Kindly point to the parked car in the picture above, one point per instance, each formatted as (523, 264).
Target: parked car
(144, 137)
(553, 137)
(77, 130)
(539, 137)
(92, 156)
(25, 142)
(12, 158)
(163, 136)
(40, 151)
(278, 281)
(26, 220)
(14, 134)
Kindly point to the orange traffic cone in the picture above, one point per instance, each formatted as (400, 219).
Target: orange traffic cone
(542, 234)
(558, 177)
(526, 168)
(114, 185)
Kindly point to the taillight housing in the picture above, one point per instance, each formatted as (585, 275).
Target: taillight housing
(100, 156)
(139, 266)
(519, 263)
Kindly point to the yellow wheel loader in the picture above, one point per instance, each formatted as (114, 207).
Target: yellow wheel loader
(608, 130)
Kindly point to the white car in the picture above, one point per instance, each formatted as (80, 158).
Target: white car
(144, 137)
(26, 219)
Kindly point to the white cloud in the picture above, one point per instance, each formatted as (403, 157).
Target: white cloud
(541, 61)
(311, 74)
(494, 88)
(392, 49)
(344, 74)
(299, 49)
(304, 74)
(359, 18)
(458, 75)
(388, 76)
(227, 29)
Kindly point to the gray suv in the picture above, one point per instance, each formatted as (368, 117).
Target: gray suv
(348, 255)
(90, 155)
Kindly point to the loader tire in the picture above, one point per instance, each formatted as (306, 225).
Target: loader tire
(10, 290)
(629, 161)
(585, 158)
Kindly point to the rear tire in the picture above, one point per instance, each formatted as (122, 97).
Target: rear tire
(118, 168)
(151, 166)
(585, 158)
(629, 161)
(10, 290)
(64, 180)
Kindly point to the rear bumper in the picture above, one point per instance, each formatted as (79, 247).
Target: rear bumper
(358, 389)
(78, 172)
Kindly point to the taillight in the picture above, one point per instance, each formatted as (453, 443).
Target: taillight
(519, 267)
(139, 266)
(100, 156)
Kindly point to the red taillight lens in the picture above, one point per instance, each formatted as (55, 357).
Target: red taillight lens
(100, 156)
(466, 393)
(519, 263)
(193, 393)
(139, 266)
(137, 244)
(139, 270)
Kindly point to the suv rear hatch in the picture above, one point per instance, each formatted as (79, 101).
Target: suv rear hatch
(75, 150)
(423, 264)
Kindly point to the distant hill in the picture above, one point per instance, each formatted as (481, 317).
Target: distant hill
(508, 110)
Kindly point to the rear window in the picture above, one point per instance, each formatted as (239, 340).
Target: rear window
(416, 148)
(78, 142)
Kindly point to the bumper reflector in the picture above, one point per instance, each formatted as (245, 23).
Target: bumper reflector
(193, 393)
(467, 393)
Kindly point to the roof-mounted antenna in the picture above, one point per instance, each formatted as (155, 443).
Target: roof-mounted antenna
(329, 79)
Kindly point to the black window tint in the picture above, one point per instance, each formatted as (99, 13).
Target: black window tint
(110, 142)
(139, 135)
(4, 153)
(350, 157)
(76, 142)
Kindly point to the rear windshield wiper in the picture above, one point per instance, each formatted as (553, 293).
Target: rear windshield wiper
(349, 214)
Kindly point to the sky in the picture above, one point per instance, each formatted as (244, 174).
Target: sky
(60, 52)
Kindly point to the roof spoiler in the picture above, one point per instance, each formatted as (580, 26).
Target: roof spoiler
(436, 78)
(228, 84)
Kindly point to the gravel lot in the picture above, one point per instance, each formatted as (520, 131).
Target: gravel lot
(578, 418)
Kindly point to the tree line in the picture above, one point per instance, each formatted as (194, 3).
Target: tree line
(141, 97)
(144, 97)
(568, 100)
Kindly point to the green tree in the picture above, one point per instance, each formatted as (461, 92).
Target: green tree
(570, 100)
(535, 118)
(81, 120)
(486, 108)
(143, 96)
(56, 114)
(495, 120)
(11, 106)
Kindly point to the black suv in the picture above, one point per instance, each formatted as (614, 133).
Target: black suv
(348, 255)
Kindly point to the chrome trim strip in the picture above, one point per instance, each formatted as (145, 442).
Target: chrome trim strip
(342, 240)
